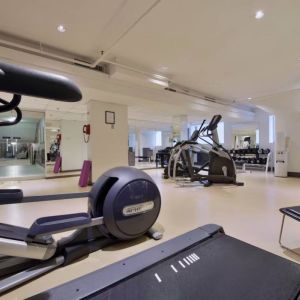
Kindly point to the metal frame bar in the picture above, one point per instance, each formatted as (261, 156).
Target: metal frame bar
(280, 238)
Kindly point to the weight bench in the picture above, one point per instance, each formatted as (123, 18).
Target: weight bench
(294, 213)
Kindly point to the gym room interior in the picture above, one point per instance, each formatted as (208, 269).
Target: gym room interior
(140, 122)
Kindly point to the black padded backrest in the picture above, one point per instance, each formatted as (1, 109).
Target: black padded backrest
(25, 81)
(213, 124)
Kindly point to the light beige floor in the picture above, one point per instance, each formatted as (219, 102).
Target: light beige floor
(46, 186)
(249, 213)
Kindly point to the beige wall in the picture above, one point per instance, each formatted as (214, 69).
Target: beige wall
(108, 147)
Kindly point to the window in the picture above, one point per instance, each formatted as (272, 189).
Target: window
(271, 128)
(158, 141)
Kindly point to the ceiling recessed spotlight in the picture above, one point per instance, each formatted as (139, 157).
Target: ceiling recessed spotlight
(259, 14)
(61, 28)
(249, 98)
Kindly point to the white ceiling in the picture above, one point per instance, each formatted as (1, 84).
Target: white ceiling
(215, 47)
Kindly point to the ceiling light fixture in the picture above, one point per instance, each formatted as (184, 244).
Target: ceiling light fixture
(259, 14)
(249, 98)
(160, 77)
(159, 82)
(61, 28)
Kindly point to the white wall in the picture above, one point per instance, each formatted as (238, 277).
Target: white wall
(72, 149)
(108, 147)
(286, 108)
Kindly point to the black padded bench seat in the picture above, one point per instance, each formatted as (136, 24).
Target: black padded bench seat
(293, 212)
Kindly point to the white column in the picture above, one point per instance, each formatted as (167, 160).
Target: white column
(73, 148)
(138, 142)
(108, 145)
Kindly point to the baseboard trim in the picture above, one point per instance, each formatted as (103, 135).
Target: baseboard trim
(62, 176)
(293, 174)
(68, 171)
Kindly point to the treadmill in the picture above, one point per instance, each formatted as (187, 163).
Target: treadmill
(204, 263)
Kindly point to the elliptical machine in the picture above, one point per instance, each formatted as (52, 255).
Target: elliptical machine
(220, 167)
(123, 204)
(177, 166)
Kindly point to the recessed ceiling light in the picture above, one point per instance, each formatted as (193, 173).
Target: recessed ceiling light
(249, 98)
(259, 14)
(61, 28)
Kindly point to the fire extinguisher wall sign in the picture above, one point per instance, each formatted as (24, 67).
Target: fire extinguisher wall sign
(86, 129)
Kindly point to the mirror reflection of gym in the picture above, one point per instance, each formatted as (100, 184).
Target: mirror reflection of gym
(22, 151)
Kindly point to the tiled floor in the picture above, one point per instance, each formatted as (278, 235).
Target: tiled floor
(21, 172)
(249, 213)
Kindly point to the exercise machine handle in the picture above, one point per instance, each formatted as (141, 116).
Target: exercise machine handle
(25, 81)
(200, 129)
(54, 224)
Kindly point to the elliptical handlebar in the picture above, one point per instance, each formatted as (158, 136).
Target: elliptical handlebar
(21, 81)
(213, 124)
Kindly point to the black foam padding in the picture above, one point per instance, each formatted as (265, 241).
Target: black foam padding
(293, 212)
(228, 269)
(26, 81)
(13, 232)
(10, 196)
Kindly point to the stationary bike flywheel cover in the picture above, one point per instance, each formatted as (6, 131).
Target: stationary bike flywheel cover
(132, 204)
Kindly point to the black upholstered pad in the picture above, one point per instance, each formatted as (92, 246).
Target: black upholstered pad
(8, 196)
(13, 232)
(228, 269)
(293, 212)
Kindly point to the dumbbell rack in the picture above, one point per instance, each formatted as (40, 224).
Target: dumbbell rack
(251, 157)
